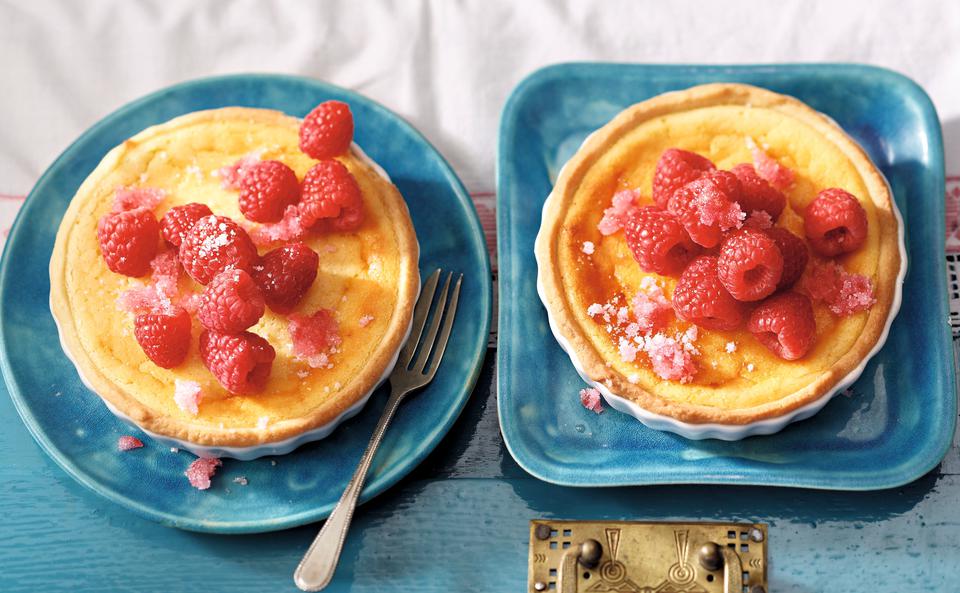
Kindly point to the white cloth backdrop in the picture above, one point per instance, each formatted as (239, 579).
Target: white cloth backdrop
(446, 66)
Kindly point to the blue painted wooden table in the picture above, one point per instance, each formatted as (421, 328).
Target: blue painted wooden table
(459, 523)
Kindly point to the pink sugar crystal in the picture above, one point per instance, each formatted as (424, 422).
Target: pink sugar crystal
(670, 359)
(768, 168)
(759, 219)
(591, 400)
(628, 350)
(187, 396)
(128, 198)
(650, 306)
(315, 337)
(713, 209)
(230, 175)
(166, 273)
(622, 206)
(126, 442)
(288, 229)
(366, 320)
(201, 470)
(843, 293)
(158, 294)
(191, 302)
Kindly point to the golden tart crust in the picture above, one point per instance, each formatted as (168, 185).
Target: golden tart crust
(370, 272)
(715, 120)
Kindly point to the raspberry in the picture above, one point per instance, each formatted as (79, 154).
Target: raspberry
(785, 324)
(201, 470)
(795, 255)
(266, 189)
(128, 240)
(180, 219)
(165, 338)
(327, 130)
(231, 303)
(757, 194)
(285, 274)
(327, 189)
(621, 209)
(240, 362)
(675, 169)
(216, 243)
(768, 168)
(700, 298)
(350, 219)
(835, 223)
(750, 265)
(708, 206)
(658, 241)
(315, 337)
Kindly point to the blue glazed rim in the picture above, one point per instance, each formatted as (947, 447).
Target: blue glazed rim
(549, 471)
(375, 484)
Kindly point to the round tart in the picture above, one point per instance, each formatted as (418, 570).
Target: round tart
(730, 384)
(366, 282)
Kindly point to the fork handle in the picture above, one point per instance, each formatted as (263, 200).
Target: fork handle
(316, 569)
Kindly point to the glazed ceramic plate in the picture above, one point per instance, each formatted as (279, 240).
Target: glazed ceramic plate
(893, 425)
(80, 434)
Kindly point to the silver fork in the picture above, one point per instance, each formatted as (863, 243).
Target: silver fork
(319, 563)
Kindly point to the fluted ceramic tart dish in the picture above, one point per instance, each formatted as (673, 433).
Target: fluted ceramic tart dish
(366, 284)
(682, 373)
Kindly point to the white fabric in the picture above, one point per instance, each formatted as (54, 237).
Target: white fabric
(446, 66)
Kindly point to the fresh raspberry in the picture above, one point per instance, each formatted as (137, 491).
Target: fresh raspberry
(349, 219)
(231, 303)
(700, 298)
(750, 265)
(785, 324)
(285, 274)
(327, 189)
(266, 189)
(795, 255)
(327, 131)
(658, 241)
(180, 219)
(128, 240)
(708, 206)
(835, 223)
(165, 338)
(216, 243)
(757, 194)
(240, 362)
(675, 169)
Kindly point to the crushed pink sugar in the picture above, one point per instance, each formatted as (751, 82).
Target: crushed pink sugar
(628, 350)
(671, 359)
(759, 219)
(713, 210)
(315, 337)
(230, 175)
(651, 307)
(187, 396)
(843, 293)
(126, 442)
(731, 347)
(160, 292)
(588, 247)
(365, 320)
(768, 168)
(201, 470)
(191, 302)
(290, 228)
(128, 198)
(166, 273)
(242, 480)
(621, 207)
(591, 400)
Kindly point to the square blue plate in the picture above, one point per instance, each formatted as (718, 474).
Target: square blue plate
(900, 420)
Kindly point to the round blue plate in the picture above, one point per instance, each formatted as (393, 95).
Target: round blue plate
(77, 431)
